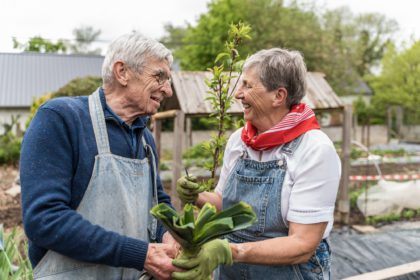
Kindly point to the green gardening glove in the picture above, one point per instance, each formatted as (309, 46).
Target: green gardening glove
(188, 189)
(201, 266)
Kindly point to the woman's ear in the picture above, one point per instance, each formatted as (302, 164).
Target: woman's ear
(120, 73)
(280, 97)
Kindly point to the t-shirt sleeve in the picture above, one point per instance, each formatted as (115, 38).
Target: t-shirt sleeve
(316, 180)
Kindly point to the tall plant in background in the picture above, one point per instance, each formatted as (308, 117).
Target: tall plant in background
(227, 66)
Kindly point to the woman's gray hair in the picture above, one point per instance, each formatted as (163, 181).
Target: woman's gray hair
(280, 68)
(133, 49)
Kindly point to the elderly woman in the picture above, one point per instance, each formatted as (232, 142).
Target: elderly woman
(282, 165)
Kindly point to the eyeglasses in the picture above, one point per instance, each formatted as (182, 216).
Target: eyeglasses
(162, 77)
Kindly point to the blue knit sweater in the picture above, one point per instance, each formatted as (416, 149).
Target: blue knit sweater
(57, 158)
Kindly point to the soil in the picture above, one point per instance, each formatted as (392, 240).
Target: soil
(11, 215)
(10, 210)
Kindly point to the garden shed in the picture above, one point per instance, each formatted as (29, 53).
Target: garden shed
(189, 100)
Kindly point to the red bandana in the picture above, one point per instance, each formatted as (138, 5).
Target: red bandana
(299, 120)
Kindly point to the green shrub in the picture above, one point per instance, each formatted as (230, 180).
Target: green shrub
(408, 214)
(76, 87)
(392, 153)
(79, 87)
(197, 152)
(163, 166)
(10, 144)
(198, 156)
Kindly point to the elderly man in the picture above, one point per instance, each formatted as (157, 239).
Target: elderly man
(88, 172)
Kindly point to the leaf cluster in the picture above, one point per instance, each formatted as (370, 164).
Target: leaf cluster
(191, 232)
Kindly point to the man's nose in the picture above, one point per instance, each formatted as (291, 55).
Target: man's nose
(167, 89)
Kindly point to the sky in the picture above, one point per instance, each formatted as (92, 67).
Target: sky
(52, 19)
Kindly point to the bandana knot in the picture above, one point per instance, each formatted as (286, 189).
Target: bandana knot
(299, 120)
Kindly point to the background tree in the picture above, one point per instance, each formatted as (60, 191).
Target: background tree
(398, 83)
(41, 45)
(343, 46)
(84, 37)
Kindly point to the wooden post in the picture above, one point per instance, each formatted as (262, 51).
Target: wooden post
(354, 125)
(179, 127)
(389, 121)
(157, 129)
(368, 133)
(188, 142)
(399, 121)
(343, 195)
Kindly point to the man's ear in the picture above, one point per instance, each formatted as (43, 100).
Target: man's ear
(121, 73)
(280, 97)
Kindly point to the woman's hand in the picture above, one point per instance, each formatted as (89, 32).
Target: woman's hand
(188, 189)
(208, 259)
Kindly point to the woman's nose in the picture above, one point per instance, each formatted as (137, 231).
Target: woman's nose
(239, 93)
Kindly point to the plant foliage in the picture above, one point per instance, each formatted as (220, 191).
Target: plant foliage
(220, 94)
(192, 232)
(10, 143)
(13, 265)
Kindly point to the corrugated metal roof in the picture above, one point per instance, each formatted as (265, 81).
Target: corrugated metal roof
(24, 76)
(191, 92)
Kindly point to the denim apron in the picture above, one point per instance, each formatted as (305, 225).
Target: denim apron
(260, 185)
(118, 198)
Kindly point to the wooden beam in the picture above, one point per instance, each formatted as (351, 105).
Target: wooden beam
(165, 115)
(387, 273)
(343, 195)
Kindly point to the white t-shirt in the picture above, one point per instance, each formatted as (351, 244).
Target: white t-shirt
(311, 182)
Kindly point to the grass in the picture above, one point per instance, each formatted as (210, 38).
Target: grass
(13, 263)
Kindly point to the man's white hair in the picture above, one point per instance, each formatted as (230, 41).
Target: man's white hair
(133, 49)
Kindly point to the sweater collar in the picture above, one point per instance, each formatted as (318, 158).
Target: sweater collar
(140, 122)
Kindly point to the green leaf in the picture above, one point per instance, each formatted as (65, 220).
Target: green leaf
(221, 56)
(205, 214)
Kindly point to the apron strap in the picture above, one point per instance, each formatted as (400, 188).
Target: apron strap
(98, 122)
(151, 156)
(290, 147)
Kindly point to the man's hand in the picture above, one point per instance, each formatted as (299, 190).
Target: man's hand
(159, 261)
(188, 189)
(168, 239)
(210, 256)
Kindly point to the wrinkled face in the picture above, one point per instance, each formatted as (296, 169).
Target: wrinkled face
(256, 99)
(147, 89)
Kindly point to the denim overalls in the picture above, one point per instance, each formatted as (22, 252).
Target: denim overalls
(260, 184)
(119, 196)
